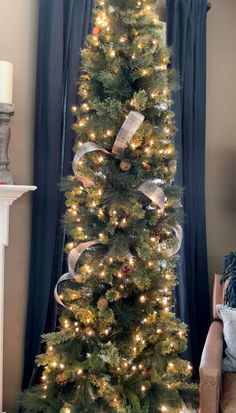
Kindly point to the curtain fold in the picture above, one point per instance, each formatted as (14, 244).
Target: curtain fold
(63, 26)
(186, 33)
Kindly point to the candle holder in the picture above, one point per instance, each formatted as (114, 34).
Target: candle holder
(6, 111)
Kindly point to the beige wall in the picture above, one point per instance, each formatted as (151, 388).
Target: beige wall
(18, 27)
(221, 132)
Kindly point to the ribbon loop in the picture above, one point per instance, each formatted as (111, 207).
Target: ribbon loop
(153, 192)
(73, 257)
(130, 126)
(179, 236)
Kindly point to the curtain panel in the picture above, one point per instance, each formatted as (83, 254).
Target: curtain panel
(186, 33)
(63, 26)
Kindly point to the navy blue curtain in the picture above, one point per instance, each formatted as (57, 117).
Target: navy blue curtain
(186, 33)
(63, 26)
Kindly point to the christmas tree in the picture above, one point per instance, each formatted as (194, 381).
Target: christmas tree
(118, 344)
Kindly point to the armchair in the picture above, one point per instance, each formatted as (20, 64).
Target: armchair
(217, 392)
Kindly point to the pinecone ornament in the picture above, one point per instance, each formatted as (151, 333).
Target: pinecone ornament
(61, 379)
(102, 303)
(125, 165)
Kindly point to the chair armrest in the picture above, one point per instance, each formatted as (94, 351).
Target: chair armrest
(210, 369)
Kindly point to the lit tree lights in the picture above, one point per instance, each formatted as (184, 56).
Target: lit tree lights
(119, 342)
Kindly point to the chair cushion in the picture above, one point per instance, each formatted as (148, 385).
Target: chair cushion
(228, 316)
(228, 398)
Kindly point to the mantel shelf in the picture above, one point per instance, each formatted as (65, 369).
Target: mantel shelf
(9, 193)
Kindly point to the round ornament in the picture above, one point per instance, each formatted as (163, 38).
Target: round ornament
(96, 31)
(65, 409)
(125, 165)
(115, 404)
(61, 379)
(102, 303)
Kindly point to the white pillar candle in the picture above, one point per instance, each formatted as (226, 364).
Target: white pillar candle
(6, 82)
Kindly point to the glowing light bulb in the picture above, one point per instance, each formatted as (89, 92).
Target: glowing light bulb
(74, 109)
(142, 299)
(85, 107)
(171, 365)
(92, 135)
(79, 372)
(143, 388)
(164, 409)
(54, 364)
(122, 39)
(112, 53)
(62, 366)
(134, 368)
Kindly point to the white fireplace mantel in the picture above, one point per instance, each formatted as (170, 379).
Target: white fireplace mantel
(8, 194)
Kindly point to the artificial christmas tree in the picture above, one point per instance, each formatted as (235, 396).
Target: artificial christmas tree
(118, 344)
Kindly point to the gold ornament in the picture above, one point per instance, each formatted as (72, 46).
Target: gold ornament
(102, 303)
(65, 409)
(115, 404)
(125, 165)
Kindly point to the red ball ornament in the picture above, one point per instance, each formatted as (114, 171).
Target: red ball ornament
(96, 31)
(146, 166)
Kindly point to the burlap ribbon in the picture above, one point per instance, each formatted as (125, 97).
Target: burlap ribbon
(73, 258)
(148, 188)
(179, 237)
(127, 131)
